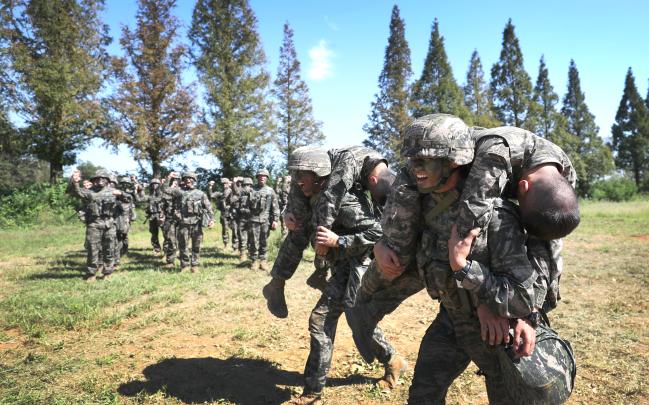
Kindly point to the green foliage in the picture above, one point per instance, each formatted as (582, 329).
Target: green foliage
(17, 172)
(389, 114)
(57, 61)
(542, 117)
(230, 61)
(630, 132)
(36, 204)
(294, 113)
(436, 91)
(88, 169)
(153, 109)
(616, 188)
(511, 86)
(476, 94)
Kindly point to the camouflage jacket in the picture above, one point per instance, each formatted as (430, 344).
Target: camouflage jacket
(222, 199)
(154, 205)
(100, 205)
(243, 203)
(263, 205)
(168, 202)
(192, 207)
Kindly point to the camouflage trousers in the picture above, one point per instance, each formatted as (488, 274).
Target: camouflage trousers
(225, 228)
(154, 227)
(170, 244)
(189, 234)
(100, 246)
(323, 323)
(244, 231)
(234, 228)
(121, 245)
(258, 240)
(450, 343)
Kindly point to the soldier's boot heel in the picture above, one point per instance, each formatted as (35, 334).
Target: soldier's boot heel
(275, 300)
(394, 369)
(318, 279)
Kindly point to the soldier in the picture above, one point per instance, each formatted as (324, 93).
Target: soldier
(222, 199)
(125, 214)
(243, 202)
(154, 212)
(170, 223)
(193, 211)
(282, 196)
(234, 211)
(264, 213)
(354, 231)
(101, 204)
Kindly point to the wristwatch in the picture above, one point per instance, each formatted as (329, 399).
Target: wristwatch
(534, 318)
(461, 274)
(342, 242)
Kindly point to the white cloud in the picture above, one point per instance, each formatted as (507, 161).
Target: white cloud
(321, 65)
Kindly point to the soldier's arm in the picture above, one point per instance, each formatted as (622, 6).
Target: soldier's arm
(486, 180)
(343, 175)
(274, 209)
(508, 284)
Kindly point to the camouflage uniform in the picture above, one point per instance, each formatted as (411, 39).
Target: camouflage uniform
(264, 210)
(243, 202)
(125, 214)
(155, 213)
(222, 199)
(170, 224)
(282, 196)
(235, 215)
(99, 217)
(193, 211)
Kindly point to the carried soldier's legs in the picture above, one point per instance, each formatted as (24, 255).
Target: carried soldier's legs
(225, 229)
(234, 227)
(170, 232)
(154, 227)
(244, 230)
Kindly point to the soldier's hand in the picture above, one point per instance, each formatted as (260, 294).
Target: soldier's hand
(76, 176)
(387, 261)
(117, 193)
(211, 224)
(291, 222)
(326, 237)
(273, 225)
(524, 338)
(494, 329)
(210, 183)
(459, 249)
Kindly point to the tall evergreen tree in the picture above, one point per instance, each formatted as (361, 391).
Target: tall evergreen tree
(294, 113)
(389, 115)
(542, 112)
(511, 86)
(630, 132)
(154, 110)
(436, 91)
(476, 94)
(231, 66)
(592, 159)
(58, 61)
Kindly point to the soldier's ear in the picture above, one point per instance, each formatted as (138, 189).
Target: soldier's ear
(523, 187)
(372, 180)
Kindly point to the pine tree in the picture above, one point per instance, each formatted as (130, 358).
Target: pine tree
(592, 159)
(389, 114)
(58, 62)
(630, 133)
(511, 86)
(230, 62)
(542, 112)
(476, 94)
(296, 125)
(436, 91)
(153, 108)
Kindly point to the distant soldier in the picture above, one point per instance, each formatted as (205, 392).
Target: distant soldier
(101, 203)
(222, 199)
(243, 202)
(264, 214)
(170, 224)
(125, 214)
(154, 212)
(234, 211)
(193, 212)
(282, 196)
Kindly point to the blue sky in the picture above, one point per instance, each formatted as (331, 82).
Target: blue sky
(341, 46)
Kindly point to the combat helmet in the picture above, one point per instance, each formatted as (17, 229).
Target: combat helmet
(125, 179)
(247, 181)
(102, 173)
(439, 136)
(262, 172)
(547, 376)
(312, 159)
(190, 175)
(225, 180)
(154, 181)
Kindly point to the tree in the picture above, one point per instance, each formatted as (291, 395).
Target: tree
(436, 90)
(541, 118)
(630, 132)
(389, 115)
(476, 94)
(58, 62)
(230, 61)
(510, 85)
(296, 125)
(153, 109)
(592, 159)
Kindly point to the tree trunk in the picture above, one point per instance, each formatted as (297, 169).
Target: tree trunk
(156, 168)
(56, 172)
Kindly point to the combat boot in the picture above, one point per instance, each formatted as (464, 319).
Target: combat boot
(194, 269)
(169, 266)
(308, 399)
(264, 265)
(275, 300)
(318, 279)
(394, 369)
(255, 265)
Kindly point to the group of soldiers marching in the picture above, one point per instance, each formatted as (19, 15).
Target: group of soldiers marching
(475, 217)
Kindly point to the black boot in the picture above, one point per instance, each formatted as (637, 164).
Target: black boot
(275, 301)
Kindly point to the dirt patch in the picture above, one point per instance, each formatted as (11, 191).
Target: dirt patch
(643, 237)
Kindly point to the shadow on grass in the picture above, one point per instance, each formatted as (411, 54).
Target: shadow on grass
(238, 380)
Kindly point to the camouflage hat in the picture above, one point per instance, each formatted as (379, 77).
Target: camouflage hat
(311, 159)
(262, 172)
(247, 181)
(545, 377)
(102, 173)
(439, 136)
(190, 175)
(155, 181)
(125, 179)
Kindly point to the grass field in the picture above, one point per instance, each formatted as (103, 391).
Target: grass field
(149, 335)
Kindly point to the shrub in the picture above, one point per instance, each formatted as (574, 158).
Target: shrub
(35, 204)
(615, 189)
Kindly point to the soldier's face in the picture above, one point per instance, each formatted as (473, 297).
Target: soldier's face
(189, 182)
(261, 180)
(154, 186)
(307, 181)
(427, 172)
(100, 182)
